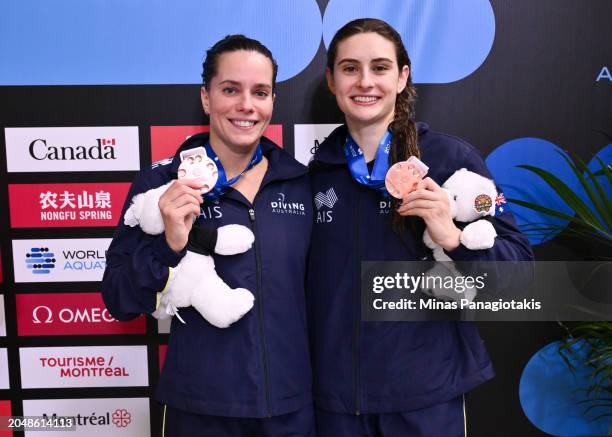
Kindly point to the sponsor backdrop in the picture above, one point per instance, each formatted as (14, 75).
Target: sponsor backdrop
(88, 99)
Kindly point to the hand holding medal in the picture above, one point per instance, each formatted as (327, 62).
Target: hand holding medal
(403, 177)
(180, 203)
(195, 164)
(423, 197)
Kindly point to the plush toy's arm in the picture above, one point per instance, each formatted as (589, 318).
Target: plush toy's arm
(233, 239)
(510, 243)
(137, 265)
(479, 235)
(226, 240)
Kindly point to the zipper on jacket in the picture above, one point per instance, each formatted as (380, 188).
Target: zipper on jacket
(357, 317)
(264, 353)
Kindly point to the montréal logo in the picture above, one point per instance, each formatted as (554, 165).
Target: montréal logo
(121, 418)
(40, 260)
(102, 149)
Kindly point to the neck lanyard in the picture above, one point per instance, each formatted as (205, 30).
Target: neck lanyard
(359, 168)
(223, 184)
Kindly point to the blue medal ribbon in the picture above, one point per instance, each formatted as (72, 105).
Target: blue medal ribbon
(223, 184)
(359, 169)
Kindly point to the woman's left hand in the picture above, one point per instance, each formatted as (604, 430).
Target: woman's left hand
(430, 202)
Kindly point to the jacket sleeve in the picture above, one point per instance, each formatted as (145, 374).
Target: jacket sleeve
(510, 243)
(137, 265)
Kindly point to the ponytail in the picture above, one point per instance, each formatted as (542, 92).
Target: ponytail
(404, 144)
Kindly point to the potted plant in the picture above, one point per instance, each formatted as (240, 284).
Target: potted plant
(586, 343)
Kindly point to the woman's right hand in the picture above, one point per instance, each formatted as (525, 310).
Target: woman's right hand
(178, 206)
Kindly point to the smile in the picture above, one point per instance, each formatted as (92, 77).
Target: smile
(365, 100)
(243, 124)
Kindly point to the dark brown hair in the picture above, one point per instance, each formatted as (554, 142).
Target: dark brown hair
(233, 43)
(403, 127)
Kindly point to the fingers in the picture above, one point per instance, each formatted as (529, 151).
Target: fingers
(428, 198)
(187, 211)
(428, 184)
(431, 184)
(418, 212)
(421, 204)
(179, 208)
(422, 194)
(180, 188)
(180, 201)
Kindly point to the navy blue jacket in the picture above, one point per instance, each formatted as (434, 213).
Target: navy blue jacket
(382, 367)
(259, 366)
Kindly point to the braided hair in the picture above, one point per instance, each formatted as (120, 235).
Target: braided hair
(403, 127)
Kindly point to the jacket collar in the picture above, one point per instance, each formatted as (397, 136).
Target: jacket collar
(281, 166)
(331, 150)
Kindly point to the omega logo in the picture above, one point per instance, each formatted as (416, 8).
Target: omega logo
(44, 314)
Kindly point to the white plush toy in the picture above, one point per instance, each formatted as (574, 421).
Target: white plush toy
(194, 281)
(471, 197)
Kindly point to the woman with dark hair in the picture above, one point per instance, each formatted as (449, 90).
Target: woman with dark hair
(253, 378)
(387, 378)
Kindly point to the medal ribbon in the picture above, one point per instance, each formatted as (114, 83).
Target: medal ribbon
(223, 184)
(359, 168)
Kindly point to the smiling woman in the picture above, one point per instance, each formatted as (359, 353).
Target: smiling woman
(258, 367)
(239, 100)
(388, 378)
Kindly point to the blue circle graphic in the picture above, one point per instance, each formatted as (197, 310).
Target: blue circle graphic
(521, 184)
(291, 30)
(555, 399)
(447, 40)
(114, 42)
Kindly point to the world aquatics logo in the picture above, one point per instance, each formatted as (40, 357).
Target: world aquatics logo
(40, 260)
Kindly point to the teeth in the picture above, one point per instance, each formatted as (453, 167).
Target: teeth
(365, 99)
(243, 123)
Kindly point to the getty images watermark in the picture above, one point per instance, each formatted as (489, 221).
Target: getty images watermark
(486, 291)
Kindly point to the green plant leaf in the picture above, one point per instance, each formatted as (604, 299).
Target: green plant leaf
(579, 168)
(544, 209)
(605, 169)
(567, 195)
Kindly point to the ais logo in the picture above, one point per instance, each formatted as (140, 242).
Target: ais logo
(40, 260)
(325, 200)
